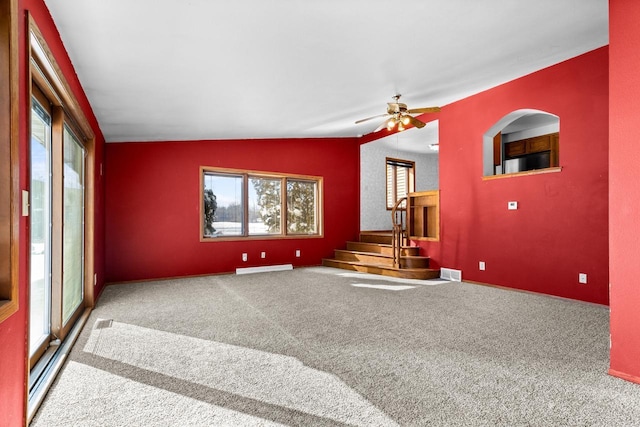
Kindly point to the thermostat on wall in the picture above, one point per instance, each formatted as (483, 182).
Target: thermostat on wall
(512, 206)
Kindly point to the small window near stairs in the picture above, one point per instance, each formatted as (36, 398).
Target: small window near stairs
(400, 180)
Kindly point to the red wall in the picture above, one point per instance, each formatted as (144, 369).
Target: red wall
(13, 331)
(560, 227)
(153, 198)
(624, 190)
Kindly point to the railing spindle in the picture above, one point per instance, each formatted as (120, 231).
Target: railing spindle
(398, 231)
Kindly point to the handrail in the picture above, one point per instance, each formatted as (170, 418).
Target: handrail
(398, 231)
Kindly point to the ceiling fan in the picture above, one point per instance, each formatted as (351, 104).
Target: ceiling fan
(400, 115)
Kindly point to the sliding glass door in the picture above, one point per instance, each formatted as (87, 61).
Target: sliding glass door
(73, 225)
(57, 197)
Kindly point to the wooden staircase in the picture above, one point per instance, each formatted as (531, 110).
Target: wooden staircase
(374, 254)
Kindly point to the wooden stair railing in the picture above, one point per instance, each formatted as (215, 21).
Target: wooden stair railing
(398, 219)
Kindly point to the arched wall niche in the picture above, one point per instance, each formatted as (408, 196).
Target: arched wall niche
(518, 124)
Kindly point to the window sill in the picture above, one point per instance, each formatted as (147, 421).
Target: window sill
(262, 237)
(525, 173)
(7, 308)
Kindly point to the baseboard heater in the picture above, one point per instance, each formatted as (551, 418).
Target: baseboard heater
(451, 274)
(264, 269)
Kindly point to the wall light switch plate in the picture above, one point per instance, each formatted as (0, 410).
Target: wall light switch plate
(263, 254)
(582, 278)
(512, 206)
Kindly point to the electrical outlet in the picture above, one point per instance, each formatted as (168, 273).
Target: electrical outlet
(263, 254)
(297, 253)
(481, 265)
(244, 257)
(582, 278)
(512, 206)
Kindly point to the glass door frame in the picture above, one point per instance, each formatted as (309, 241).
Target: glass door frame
(54, 249)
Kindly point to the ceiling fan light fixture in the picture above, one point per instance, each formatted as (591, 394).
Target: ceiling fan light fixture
(399, 114)
(391, 123)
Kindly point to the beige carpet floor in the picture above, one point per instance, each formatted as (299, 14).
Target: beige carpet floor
(324, 347)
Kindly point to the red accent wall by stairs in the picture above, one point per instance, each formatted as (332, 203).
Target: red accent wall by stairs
(561, 226)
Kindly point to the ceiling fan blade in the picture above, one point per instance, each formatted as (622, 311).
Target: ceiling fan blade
(372, 117)
(417, 123)
(383, 125)
(424, 110)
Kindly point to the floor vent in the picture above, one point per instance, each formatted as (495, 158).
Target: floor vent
(451, 274)
(103, 323)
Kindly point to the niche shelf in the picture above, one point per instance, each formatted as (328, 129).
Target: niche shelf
(423, 215)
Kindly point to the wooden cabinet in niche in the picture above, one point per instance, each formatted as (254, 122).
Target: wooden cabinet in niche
(514, 149)
(533, 153)
(533, 145)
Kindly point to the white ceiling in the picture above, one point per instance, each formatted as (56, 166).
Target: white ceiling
(530, 121)
(204, 69)
(412, 140)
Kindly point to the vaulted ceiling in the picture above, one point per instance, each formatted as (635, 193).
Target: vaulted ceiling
(203, 69)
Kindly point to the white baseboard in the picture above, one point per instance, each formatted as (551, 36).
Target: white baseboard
(264, 269)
